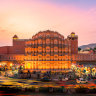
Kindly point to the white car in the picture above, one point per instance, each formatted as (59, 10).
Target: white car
(81, 80)
(65, 79)
(55, 80)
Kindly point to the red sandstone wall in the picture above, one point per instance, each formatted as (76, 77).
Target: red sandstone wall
(12, 57)
(10, 50)
(4, 49)
(83, 57)
(18, 47)
(74, 46)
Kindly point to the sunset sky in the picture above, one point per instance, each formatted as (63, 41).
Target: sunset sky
(27, 17)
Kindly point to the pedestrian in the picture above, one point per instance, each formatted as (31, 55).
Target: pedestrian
(29, 74)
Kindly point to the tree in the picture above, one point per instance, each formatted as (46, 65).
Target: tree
(94, 48)
(91, 49)
(79, 49)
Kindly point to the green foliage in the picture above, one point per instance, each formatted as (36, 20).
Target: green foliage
(79, 49)
(94, 49)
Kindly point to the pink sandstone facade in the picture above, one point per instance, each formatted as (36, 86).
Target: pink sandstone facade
(46, 46)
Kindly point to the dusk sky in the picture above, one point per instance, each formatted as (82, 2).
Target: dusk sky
(27, 17)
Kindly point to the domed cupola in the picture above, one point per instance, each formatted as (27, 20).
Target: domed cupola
(73, 34)
(15, 37)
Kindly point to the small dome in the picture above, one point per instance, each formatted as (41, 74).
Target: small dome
(72, 32)
(15, 36)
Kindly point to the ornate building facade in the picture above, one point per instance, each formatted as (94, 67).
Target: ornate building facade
(45, 51)
(49, 50)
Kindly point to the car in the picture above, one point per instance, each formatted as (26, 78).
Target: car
(81, 80)
(45, 79)
(34, 83)
(65, 79)
(55, 80)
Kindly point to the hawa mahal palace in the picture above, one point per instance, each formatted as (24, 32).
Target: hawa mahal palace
(45, 51)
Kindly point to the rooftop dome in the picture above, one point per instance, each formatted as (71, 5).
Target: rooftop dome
(72, 32)
(15, 37)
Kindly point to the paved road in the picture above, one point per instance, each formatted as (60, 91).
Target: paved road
(25, 83)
